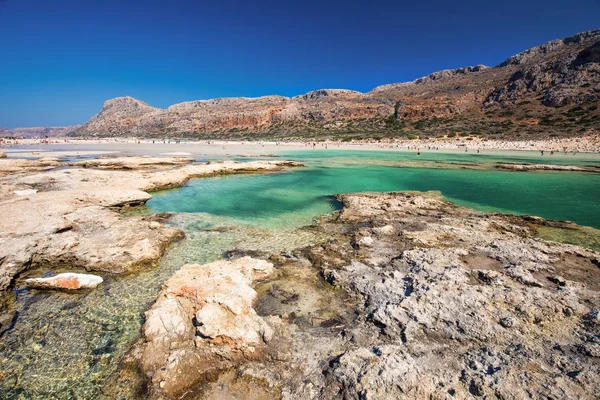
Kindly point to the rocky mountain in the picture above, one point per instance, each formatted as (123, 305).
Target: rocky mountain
(320, 108)
(38, 132)
(549, 90)
(560, 75)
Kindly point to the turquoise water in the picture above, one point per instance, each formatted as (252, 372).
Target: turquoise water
(69, 345)
(485, 157)
(295, 197)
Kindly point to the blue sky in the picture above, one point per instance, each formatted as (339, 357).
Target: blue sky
(61, 59)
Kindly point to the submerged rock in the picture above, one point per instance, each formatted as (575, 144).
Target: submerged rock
(547, 167)
(65, 281)
(75, 218)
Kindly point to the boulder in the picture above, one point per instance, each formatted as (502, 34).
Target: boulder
(202, 322)
(25, 192)
(65, 281)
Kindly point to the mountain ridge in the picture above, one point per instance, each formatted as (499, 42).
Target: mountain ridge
(38, 131)
(550, 90)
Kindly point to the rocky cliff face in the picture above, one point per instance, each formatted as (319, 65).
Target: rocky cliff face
(127, 115)
(552, 89)
(561, 72)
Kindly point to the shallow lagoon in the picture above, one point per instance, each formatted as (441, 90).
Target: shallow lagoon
(295, 197)
(68, 345)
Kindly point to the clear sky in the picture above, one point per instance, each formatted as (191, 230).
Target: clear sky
(61, 59)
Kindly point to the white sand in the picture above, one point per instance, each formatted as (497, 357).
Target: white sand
(22, 153)
(227, 149)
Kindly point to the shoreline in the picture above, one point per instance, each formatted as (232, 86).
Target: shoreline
(50, 213)
(590, 143)
(317, 291)
(396, 294)
(68, 147)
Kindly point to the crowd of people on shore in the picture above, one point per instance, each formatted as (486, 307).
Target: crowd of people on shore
(587, 144)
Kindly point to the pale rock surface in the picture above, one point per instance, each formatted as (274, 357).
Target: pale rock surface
(444, 302)
(365, 241)
(202, 321)
(132, 162)
(466, 307)
(15, 165)
(74, 219)
(25, 192)
(65, 281)
(70, 220)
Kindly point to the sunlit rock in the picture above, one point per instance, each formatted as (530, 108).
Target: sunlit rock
(65, 281)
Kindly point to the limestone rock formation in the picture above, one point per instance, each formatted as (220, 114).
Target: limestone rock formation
(69, 217)
(466, 304)
(8, 166)
(556, 73)
(133, 163)
(425, 300)
(443, 74)
(202, 322)
(549, 89)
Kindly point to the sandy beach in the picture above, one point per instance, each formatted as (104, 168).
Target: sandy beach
(35, 148)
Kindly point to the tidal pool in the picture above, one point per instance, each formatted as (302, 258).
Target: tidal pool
(295, 197)
(68, 345)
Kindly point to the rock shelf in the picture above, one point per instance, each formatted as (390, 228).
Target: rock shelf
(435, 301)
(69, 217)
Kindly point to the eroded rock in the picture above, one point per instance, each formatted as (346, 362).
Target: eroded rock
(65, 281)
(133, 163)
(447, 302)
(203, 322)
(69, 217)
